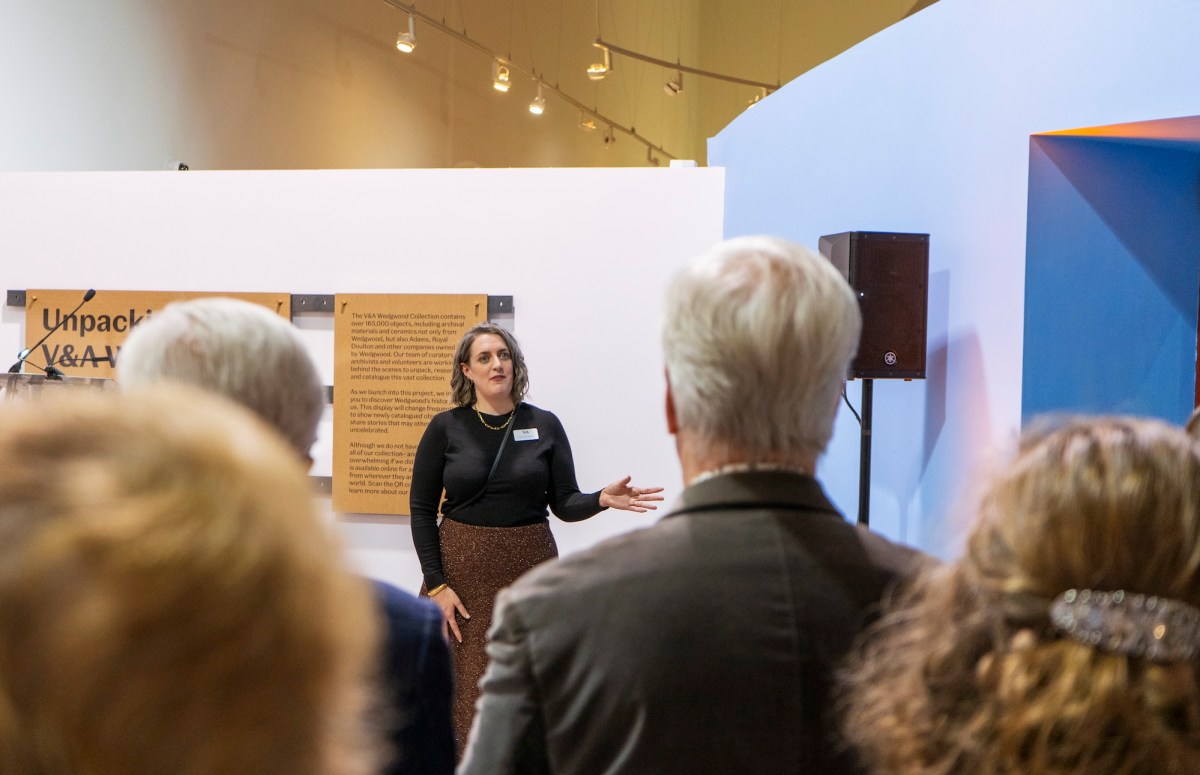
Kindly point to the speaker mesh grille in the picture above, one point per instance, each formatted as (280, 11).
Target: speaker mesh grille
(889, 273)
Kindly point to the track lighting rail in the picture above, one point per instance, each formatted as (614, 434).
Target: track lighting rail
(770, 87)
(462, 37)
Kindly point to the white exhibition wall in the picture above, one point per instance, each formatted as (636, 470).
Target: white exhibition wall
(585, 253)
(925, 127)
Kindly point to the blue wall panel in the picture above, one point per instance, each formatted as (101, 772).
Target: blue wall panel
(1112, 277)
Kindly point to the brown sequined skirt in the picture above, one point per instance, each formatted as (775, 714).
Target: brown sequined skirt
(478, 563)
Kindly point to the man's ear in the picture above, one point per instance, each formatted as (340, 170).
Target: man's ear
(672, 422)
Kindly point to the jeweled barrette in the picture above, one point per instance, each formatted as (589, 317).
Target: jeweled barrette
(1156, 628)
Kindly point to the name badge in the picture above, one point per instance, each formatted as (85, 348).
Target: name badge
(525, 434)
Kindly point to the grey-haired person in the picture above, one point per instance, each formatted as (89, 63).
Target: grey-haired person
(707, 642)
(258, 359)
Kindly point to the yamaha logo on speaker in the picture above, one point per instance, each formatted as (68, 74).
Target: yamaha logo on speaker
(889, 358)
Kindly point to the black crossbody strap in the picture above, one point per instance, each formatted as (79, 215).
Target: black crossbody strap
(507, 432)
(495, 463)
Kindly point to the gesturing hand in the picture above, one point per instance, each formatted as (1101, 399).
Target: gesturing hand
(619, 495)
(448, 601)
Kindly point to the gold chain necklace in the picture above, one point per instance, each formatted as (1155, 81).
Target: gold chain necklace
(494, 427)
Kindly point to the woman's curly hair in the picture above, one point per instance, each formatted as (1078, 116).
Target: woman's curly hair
(965, 674)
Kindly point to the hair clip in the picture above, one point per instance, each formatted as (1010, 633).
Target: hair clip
(1157, 628)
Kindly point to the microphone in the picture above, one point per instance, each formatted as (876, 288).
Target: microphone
(24, 354)
(53, 372)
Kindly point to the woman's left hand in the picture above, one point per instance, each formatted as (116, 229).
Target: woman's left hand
(619, 495)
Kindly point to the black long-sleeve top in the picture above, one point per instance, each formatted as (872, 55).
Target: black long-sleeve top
(456, 452)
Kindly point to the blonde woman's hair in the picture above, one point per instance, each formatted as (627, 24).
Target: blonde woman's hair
(965, 673)
(169, 601)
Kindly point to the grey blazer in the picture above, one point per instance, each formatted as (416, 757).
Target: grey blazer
(704, 644)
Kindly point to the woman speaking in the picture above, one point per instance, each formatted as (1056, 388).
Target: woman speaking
(501, 463)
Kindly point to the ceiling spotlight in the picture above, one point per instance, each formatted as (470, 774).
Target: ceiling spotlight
(587, 121)
(597, 70)
(609, 138)
(501, 77)
(762, 94)
(651, 158)
(538, 106)
(406, 42)
(675, 85)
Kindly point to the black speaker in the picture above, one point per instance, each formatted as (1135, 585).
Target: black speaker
(889, 273)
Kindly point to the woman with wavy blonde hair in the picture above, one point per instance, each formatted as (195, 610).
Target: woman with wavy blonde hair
(170, 604)
(1066, 640)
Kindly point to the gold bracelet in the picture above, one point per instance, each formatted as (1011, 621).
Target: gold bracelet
(436, 589)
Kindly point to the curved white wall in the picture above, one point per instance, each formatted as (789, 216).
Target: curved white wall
(925, 127)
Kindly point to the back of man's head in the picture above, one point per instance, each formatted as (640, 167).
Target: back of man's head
(759, 335)
(240, 350)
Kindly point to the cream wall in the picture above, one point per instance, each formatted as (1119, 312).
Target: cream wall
(303, 84)
(776, 42)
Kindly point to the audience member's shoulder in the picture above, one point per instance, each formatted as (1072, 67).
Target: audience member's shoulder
(614, 559)
(885, 553)
(400, 606)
